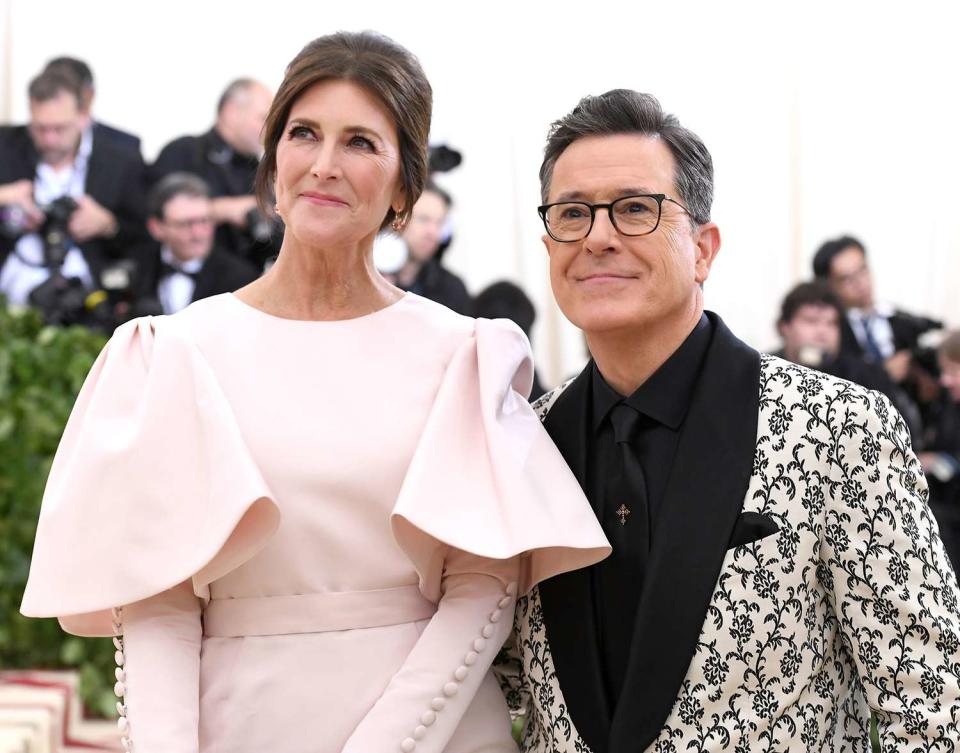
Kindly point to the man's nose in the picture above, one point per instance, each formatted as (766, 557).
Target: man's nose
(602, 235)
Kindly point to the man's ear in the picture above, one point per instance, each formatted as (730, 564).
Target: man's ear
(707, 240)
(155, 228)
(546, 242)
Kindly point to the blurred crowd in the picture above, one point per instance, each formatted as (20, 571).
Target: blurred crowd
(91, 235)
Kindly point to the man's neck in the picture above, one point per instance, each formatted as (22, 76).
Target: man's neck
(628, 358)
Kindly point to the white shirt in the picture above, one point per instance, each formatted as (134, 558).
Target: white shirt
(176, 291)
(24, 269)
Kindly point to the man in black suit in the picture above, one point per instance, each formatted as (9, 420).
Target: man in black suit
(872, 330)
(58, 157)
(84, 76)
(226, 157)
(181, 264)
(776, 574)
(810, 325)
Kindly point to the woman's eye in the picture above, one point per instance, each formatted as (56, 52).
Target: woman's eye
(300, 132)
(362, 142)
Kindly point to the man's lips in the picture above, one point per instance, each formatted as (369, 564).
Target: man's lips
(600, 277)
(323, 199)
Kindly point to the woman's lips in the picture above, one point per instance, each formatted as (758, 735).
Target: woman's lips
(323, 199)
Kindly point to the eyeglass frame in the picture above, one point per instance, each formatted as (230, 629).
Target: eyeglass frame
(660, 197)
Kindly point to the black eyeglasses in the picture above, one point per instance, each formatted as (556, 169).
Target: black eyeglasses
(570, 221)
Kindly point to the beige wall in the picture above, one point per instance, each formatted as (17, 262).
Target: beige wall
(821, 121)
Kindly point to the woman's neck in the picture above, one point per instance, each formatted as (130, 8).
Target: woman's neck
(321, 284)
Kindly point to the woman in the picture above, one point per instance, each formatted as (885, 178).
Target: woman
(305, 510)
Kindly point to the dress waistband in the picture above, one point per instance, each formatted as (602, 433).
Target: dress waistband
(316, 612)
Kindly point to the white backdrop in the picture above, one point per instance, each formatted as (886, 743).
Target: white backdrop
(822, 119)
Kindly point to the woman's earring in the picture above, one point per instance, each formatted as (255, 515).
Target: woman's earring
(398, 223)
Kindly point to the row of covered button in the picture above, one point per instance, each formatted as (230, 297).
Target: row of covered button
(409, 744)
(120, 689)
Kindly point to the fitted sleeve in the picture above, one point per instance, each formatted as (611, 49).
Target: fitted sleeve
(152, 485)
(487, 479)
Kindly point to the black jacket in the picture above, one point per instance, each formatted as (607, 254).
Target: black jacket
(222, 272)
(114, 179)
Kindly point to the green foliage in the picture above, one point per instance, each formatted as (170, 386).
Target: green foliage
(41, 371)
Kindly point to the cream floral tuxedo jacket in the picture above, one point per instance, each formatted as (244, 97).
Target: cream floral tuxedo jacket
(796, 581)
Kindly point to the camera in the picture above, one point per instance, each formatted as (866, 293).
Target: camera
(55, 231)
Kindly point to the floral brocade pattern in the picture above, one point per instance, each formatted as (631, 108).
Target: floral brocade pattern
(852, 604)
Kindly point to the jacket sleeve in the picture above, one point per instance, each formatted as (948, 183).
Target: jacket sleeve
(158, 676)
(427, 697)
(893, 589)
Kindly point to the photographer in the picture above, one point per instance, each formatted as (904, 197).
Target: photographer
(70, 203)
(226, 157)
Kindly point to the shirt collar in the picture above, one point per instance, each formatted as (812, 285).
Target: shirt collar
(190, 267)
(665, 396)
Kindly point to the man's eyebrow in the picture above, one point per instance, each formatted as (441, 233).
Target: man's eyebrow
(625, 191)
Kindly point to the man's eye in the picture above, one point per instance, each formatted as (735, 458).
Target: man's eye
(572, 213)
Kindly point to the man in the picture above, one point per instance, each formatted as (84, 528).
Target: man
(941, 459)
(77, 199)
(84, 76)
(226, 157)
(875, 331)
(423, 272)
(809, 324)
(775, 571)
(181, 265)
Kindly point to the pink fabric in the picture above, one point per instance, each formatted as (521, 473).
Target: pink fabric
(257, 458)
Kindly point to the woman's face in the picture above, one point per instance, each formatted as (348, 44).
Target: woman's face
(338, 165)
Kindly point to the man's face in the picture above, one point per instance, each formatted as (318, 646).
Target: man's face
(813, 325)
(186, 227)
(851, 280)
(55, 127)
(425, 229)
(244, 117)
(950, 377)
(609, 281)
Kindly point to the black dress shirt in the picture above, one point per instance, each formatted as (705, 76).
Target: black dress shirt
(662, 401)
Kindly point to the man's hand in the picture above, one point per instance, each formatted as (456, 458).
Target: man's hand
(233, 209)
(20, 194)
(898, 365)
(90, 220)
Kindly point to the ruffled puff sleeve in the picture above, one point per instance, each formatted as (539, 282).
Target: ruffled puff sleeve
(152, 485)
(488, 509)
(487, 479)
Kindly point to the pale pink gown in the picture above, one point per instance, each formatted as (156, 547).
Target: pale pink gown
(311, 534)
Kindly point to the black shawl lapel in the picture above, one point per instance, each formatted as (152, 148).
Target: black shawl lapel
(703, 499)
(567, 599)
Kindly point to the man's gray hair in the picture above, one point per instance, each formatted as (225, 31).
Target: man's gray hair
(171, 186)
(622, 111)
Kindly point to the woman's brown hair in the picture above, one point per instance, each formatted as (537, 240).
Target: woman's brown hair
(385, 69)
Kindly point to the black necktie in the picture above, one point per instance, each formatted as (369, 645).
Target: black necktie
(626, 523)
(871, 346)
(631, 485)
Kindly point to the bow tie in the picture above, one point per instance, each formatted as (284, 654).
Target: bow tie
(169, 269)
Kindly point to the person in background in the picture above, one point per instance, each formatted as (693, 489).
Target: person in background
(810, 326)
(72, 199)
(423, 273)
(181, 264)
(875, 330)
(941, 458)
(504, 300)
(226, 157)
(84, 76)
